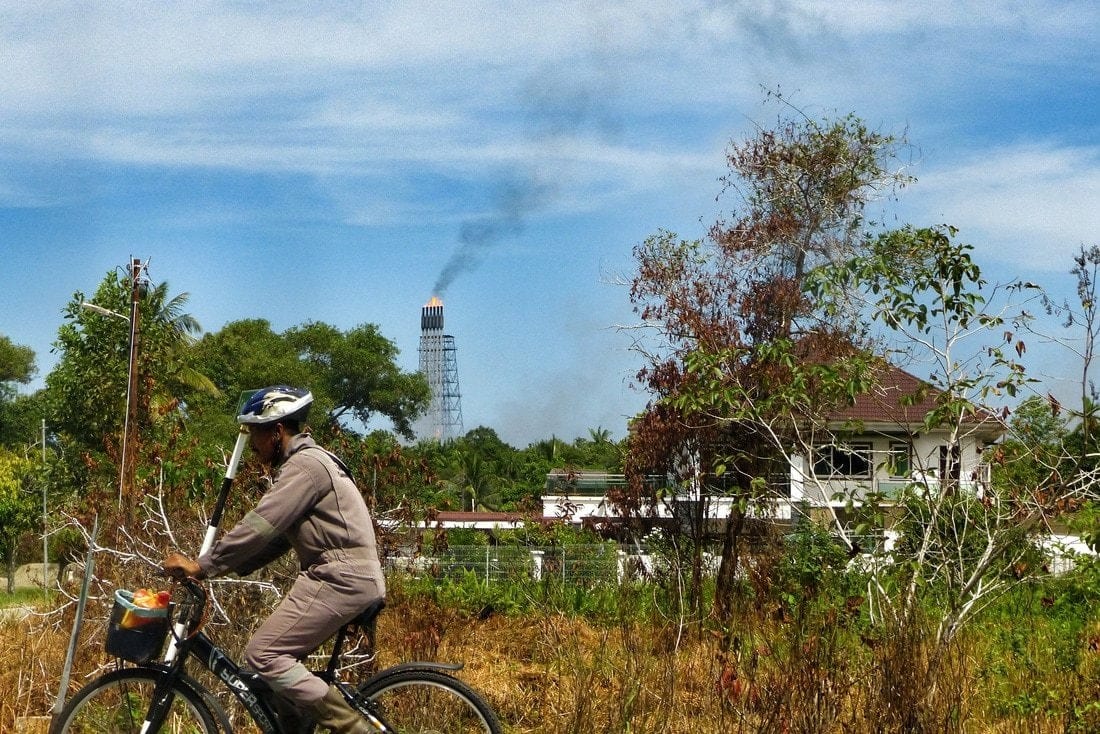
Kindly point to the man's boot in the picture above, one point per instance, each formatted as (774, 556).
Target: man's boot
(337, 714)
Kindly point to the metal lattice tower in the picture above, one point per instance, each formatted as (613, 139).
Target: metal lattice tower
(438, 364)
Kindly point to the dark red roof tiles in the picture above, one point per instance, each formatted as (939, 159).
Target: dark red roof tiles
(898, 398)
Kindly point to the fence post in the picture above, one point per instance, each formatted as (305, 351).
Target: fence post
(74, 639)
(536, 558)
(486, 565)
(620, 564)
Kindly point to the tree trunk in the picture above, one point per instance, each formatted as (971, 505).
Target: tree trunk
(727, 569)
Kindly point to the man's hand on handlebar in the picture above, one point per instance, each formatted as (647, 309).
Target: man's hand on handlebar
(179, 566)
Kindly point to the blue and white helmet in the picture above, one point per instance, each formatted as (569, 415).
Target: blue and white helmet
(276, 403)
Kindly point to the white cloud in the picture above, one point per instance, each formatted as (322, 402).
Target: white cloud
(1030, 205)
(875, 17)
(470, 90)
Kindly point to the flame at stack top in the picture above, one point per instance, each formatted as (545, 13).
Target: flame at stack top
(431, 316)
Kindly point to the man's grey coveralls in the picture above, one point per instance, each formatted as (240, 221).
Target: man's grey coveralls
(314, 507)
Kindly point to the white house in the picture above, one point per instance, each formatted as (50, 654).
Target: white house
(879, 444)
(876, 445)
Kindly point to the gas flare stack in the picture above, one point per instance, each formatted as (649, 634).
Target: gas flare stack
(443, 420)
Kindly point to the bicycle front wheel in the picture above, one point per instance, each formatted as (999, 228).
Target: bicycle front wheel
(428, 702)
(118, 701)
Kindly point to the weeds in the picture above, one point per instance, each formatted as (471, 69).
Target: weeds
(602, 659)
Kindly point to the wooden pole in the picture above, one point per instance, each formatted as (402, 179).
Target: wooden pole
(126, 472)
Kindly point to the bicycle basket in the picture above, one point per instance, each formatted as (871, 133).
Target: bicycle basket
(135, 633)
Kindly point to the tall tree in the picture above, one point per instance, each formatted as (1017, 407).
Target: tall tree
(16, 363)
(733, 308)
(353, 375)
(87, 390)
(358, 370)
(16, 366)
(956, 550)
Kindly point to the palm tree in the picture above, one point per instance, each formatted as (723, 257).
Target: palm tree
(599, 435)
(176, 330)
(87, 390)
(474, 483)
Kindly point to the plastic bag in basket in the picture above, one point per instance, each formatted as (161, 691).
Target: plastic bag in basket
(145, 607)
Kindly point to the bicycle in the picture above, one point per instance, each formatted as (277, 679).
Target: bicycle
(415, 697)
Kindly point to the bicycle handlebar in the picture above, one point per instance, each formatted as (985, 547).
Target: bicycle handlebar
(192, 613)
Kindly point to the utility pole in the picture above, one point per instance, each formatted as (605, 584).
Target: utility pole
(126, 472)
(45, 534)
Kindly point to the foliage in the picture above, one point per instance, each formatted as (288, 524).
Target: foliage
(19, 510)
(86, 393)
(353, 375)
(358, 371)
(925, 288)
(549, 534)
(16, 363)
(747, 362)
(1032, 453)
(782, 316)
(814, 564)
(16, 366)
(20, 419)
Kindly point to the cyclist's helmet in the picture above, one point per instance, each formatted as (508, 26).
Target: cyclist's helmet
(276, 403)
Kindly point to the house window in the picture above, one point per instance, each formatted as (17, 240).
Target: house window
(847, 460)
(899, 463)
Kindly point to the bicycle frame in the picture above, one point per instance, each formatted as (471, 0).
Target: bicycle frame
(248, 688)
(250, 691)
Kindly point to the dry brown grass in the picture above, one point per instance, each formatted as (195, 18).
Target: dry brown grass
(551, 674)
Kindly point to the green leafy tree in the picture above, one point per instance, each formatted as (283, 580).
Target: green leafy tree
(16, 367)
(477, 483)
(16, 363)
(87, 391)
(957, 550)
(1033, 452)
(358, 370)
(353, 375)
(19, 511)
(598, 451)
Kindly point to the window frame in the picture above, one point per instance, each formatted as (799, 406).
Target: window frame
(895, 449)
(862, 449)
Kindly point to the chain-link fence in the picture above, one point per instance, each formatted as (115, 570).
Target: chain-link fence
(604, 562)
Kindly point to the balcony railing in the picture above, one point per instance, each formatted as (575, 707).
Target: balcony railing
(583, 485)
(887, 488)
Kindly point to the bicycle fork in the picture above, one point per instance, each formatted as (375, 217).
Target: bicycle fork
(161, 704)
(365, 708)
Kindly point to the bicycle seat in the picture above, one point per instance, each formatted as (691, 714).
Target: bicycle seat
(366, 617)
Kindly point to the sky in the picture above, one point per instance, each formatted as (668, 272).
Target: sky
(344, 162)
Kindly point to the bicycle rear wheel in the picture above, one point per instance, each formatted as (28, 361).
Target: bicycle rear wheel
(118, 701)
(428, 702)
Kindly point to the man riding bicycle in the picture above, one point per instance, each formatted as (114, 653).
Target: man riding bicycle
(313, 506)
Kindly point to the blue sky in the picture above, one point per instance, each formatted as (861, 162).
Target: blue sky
(333, 161)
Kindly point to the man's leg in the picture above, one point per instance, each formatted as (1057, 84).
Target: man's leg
(306, 617)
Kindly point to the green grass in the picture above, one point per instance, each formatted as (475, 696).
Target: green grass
(24, 596)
